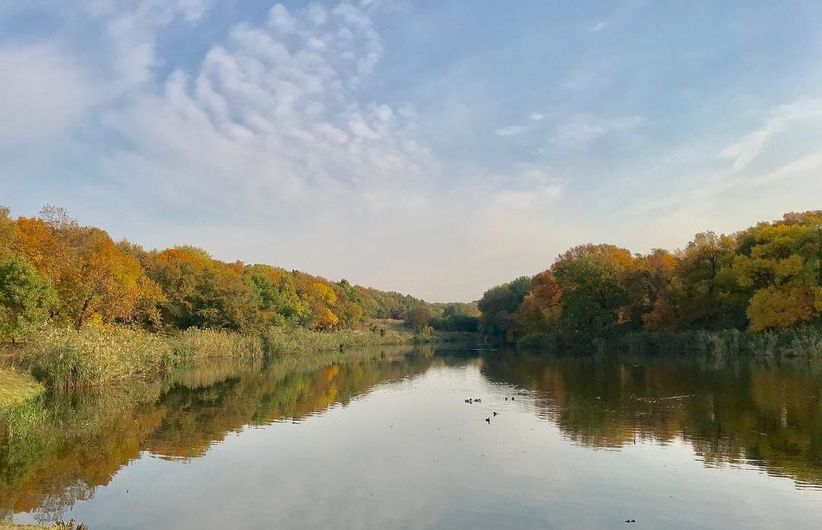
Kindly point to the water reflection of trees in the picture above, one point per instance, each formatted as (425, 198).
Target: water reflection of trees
(767, 414)
(59, 452)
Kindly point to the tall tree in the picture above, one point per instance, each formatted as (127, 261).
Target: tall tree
(779, 263)
(499, 305)
(591, 279)
(541, 307)
(710, 296)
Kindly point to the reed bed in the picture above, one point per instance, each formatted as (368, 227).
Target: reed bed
(65, 357)
(803, 342)
(196, 344)
(277, 341)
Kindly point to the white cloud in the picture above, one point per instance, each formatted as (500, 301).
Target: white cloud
(271, 117)
(267, 150)
(42, 92)
(278, 144)
(510, 130)
(781, 118)
(130, 34)
(597, 27)
(770, 169)
(582, 130)
(588, 78)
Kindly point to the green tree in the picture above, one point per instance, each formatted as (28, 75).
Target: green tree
(709, 295)
(419, 317)
(7, 233)
(591, 280)
(275, 293)
(499, 306)
(26, 299)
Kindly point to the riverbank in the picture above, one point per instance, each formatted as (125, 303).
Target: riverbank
(800, 342)
(16, 388)
(55, 526)
(93, 356)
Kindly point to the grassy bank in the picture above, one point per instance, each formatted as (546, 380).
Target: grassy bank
(16, 388)
(93, 356)
(198, 344)
(801, 342)
(56, 526)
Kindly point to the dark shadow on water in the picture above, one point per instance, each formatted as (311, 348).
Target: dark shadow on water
(764, 413)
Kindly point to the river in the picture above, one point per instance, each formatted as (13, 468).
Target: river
(546, 442)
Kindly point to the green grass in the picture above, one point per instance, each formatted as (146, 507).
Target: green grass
(16, 388)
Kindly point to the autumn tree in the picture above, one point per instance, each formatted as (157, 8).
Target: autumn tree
(779, 263)
(456, 316)
(591, 280)
(419, 317)
(201, 291)
(541, 307)
(95, 279)
(646, 282)
(319, 296)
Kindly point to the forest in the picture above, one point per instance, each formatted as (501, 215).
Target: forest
(55, 271)
(763, 279)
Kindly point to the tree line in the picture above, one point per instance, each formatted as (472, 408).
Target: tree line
(53, 270)
(766, 277)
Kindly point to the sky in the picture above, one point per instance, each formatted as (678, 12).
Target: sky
(435, 148)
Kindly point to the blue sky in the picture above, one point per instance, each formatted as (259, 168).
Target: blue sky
(435, 148)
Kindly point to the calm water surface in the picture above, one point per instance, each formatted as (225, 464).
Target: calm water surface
(391, 443)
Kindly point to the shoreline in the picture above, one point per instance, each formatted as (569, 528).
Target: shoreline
(65, 358)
